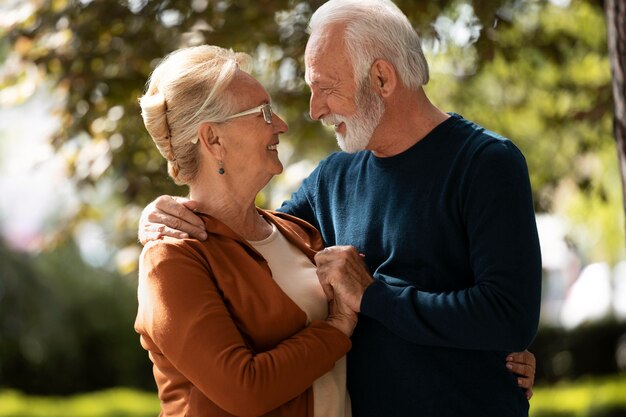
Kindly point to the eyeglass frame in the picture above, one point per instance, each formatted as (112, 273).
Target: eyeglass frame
(265, 109)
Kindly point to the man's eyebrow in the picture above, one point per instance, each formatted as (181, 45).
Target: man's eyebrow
(307, 79)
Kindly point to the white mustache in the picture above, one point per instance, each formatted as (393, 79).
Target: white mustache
(333, 120)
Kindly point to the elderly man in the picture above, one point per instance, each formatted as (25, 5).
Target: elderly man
(429, 222)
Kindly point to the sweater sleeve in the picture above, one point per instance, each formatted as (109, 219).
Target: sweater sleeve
(182, 312)
(500, 310)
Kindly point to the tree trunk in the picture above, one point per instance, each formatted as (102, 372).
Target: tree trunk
(616, 37)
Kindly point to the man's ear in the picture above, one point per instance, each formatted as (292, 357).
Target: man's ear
(383, 77)
(209, 139)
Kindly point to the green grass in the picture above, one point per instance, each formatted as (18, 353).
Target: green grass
(118, 402)
(587, 397)
(583, 398)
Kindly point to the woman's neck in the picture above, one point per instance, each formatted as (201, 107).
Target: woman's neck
(235, 209)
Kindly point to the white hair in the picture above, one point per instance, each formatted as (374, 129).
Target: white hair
(361, 125)
(189, 86)
(376, 29)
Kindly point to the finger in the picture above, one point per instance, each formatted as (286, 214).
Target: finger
(172, 208)
(358, 264)
(192, 205)
(524, 383)
(323, 272)
(529, 393)
(350, 255)
(166, 223)
(146, 236)
(329, 292)
(168, 231)
(332, 252)
(324, 280)
(327, 261)
(329, 278)
(326, 256)
(347, 275)
(333, 272)
(521, 369)
(345, 257)
(319, 258)
(524, 357)
(177, 207)
(166, 203)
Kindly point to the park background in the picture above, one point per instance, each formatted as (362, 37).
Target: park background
(77, 167)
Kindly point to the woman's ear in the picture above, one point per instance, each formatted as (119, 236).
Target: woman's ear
(383, 76)
(209, 139)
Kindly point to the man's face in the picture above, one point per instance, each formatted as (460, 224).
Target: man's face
(336, 99)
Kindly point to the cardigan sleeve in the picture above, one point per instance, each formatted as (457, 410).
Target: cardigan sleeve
(182, 312)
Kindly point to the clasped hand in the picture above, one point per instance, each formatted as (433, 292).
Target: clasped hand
(344, 278)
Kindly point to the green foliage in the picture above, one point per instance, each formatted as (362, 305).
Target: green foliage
(103, 63)
(67, 327)
(538, 74)
(589, 397)
(548, 88)
(540, 77)
(589, 349)
(117, 402)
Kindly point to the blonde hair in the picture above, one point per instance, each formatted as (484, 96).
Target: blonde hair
(376, 29)
(188, 86)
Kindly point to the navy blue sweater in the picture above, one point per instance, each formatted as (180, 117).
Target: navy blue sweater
(448, 230)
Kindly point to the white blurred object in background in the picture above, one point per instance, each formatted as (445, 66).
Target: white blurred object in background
(590, 297)
(619, 290)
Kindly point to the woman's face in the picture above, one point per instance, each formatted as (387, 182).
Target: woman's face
(250, 143)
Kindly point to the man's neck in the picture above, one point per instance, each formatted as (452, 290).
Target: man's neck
(408, 120)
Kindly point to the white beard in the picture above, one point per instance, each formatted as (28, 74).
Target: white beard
(359, 127)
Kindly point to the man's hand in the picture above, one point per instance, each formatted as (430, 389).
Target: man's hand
(343, 274)
(170, 216)
(523, 364)
(341, 317)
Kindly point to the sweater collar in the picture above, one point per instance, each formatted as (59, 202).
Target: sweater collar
(284, 223)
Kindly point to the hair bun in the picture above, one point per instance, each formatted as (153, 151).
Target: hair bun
(188, 87)
(154, 113)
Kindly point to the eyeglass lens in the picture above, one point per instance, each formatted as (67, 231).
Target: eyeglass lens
(267, 113)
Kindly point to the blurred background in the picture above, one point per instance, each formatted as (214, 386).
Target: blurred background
(77, 167)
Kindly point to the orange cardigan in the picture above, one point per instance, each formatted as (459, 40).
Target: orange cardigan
(223, 337)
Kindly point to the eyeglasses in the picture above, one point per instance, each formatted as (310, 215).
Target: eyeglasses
(265, 109)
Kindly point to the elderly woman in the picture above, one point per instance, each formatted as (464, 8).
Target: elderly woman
(237, 324)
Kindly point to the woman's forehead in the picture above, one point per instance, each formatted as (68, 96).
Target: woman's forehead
(247, 90)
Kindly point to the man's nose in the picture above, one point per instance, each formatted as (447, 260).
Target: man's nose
(318, 107)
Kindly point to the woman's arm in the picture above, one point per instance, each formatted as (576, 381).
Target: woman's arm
(183, 313)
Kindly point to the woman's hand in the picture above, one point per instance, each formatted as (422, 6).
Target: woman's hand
(341, 316)
(170, 216)
(342, 272)
(523, 364)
